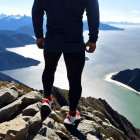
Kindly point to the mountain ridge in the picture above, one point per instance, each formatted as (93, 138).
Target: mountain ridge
(10, 60)
(10, 39)
(25, 22)
(99, 120)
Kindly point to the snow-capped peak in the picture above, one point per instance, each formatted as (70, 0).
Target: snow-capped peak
(15, 16)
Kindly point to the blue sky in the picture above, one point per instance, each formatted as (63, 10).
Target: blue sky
(110, 10)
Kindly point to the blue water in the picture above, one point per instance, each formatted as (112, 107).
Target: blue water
(116, 51)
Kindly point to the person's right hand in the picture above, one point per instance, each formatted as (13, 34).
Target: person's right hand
(92, 47)
(40, 43)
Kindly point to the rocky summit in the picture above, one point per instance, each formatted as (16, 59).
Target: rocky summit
(21, 118)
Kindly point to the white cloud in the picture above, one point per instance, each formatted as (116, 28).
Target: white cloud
(135, 11)
(121, 18)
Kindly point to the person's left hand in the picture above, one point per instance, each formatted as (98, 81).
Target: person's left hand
(40, 43)
(92, 47)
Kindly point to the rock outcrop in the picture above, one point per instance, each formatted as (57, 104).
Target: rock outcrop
(21, 118)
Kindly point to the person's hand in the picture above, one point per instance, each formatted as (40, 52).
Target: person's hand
(40, 43)
(92, 47)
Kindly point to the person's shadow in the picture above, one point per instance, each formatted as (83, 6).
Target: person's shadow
(74, 131)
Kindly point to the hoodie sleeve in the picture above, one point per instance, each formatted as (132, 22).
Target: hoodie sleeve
(92, 12)
(37, 18)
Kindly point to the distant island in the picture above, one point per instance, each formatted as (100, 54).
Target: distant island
(129, 79)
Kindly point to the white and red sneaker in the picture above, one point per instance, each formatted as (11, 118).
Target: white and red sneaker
(71, 120)
(47, 105)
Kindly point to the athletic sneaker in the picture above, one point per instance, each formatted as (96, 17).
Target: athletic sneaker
(47, 104)
(72, 119)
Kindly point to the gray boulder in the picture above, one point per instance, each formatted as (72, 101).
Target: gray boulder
(31, 110)
(89, 127)
(14, 130)
(7, 96)
(91, 137)
(9, 110)
(40, 137)
(49, 133)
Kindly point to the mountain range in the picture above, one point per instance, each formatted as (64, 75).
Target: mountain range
(121, 23)
(23, 24)
(17, 31)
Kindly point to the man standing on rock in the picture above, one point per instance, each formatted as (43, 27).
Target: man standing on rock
(65, 35)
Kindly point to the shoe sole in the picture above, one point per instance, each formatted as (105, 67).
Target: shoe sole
(76, 122)
(45, 109)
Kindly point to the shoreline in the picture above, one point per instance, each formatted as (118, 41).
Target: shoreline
(108, 78)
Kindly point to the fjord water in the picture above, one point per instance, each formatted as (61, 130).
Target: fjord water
(116, 51)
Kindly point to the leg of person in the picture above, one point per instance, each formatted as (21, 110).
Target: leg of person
(74, 63)
(51, 61)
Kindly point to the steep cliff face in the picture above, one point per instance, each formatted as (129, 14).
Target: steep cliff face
(129, 77)
(20, 117)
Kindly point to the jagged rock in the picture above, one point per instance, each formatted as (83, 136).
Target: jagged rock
(14, 130)
(49, 133)
(91, 137)
(9, 110)
(7, 96)
(1, 138)
(89, 109)
(35, 124)
(99, 115)
(31, 110)
(99, 120)
(106, 125)
(106, 138)
(64, 109)
(40, 137)
(114, 133)
(56, 117)
(90, 116)
(20, 92)
(31, 97)
(62, 135)
(62, 128)
(83, 108)
(25, 118)
(88, 126)
(49, 123)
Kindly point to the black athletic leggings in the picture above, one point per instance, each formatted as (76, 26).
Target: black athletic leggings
(75, 62)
